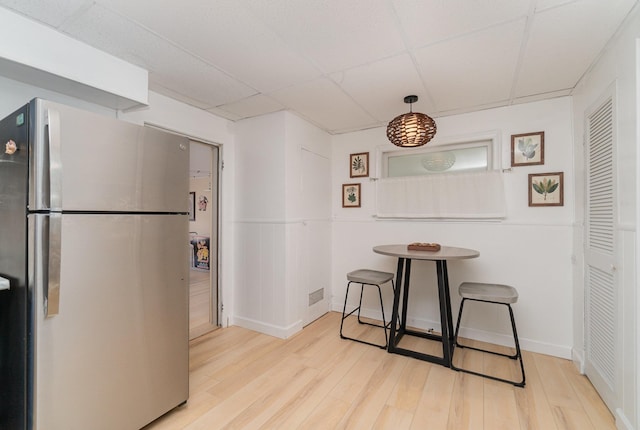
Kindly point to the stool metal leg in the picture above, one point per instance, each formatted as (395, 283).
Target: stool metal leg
(455, 336)
(384, 325)
(515, 338)
(360, 303)
(516, 356)
(344, 310)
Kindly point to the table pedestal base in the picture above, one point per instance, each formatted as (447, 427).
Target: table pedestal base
(399, 325)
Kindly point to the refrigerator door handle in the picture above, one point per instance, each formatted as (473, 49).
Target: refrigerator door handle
(51, 235)
(55, 160)
(4, 284)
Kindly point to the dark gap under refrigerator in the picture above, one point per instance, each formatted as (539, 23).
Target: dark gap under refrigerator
(94, 274)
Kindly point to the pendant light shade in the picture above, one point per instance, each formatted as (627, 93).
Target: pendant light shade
(411, 129)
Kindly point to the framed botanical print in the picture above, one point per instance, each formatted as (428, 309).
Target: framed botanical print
(359, 165)
(527, 149)
(546, 189)
(350, 195)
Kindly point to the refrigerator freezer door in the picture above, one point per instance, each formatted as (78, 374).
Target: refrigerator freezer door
(88, 162)
(116, 355)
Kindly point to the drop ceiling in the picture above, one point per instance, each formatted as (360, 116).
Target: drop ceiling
(345, 65)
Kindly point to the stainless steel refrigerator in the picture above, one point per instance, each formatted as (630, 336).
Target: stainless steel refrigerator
(93, 271)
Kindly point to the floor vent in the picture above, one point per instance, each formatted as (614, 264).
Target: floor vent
(316, 296)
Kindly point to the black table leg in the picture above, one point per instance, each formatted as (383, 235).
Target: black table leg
(445, 310)
(405, 293)
(448, 303)
(396, 303)
(403, 276)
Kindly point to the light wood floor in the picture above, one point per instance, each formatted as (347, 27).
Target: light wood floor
(199, 303)
(241, 379)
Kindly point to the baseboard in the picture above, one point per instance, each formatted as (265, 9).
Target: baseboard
(622, 422)
(270, 329)
(525, 343)
(577, 356)
(480, 335)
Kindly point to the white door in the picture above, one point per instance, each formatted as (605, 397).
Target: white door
(204, 303)
(602, 342)
(316, 234)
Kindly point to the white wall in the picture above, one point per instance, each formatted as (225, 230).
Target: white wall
(531, 249)
(260, 286)
(268, 291)
(619, 69)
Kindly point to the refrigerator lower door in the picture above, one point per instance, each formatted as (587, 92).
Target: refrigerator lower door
(116, 354)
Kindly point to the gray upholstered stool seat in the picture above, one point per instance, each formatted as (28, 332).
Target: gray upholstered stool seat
(495, 293)
(490, 293)
(373, 278)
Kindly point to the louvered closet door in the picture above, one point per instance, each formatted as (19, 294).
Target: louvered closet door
(601, 304)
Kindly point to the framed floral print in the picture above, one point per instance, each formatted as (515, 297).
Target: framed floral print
(350, 195)
(527, 149)
(359, 165)
(546, 189)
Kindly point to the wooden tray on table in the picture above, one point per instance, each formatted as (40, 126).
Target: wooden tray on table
(422, 246)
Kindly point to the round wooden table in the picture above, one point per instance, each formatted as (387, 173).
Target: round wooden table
(403, 274)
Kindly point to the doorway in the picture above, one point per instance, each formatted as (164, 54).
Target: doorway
(203, 239)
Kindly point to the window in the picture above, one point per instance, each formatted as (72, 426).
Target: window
(410, 185)
(467, 157)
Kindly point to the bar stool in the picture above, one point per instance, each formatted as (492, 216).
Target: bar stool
(373, 278)
(490, 293)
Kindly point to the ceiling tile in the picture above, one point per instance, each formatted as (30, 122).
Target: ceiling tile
(380, 87)
(167, 65)
(428, 21)
(205, 83)
(545, 96)
(252, 106)
(169, 92)
(547, 4)
(225, 34)
(224, 114)
(564, 41)
(51, 12)
(324, 104)
(345, 65)
(460, 111)
(335, 35)
(473, 70)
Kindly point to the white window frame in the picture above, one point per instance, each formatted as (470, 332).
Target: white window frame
(490, 139)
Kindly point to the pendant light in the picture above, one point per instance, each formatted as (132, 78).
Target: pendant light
(411, 129)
